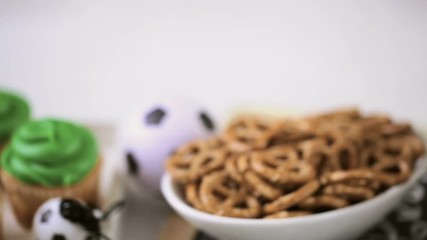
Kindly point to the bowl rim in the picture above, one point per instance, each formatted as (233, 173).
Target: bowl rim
(171, 195)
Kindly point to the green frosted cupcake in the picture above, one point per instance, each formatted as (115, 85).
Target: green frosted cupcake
(49, 158)
(14, 111)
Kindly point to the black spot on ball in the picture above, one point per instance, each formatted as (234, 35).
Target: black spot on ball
(71, 209)
(59, 237)
(78, 213)
(45, 216)
(132, 164)
(207, 121)
(155, 117)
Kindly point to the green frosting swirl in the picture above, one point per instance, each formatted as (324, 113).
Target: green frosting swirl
(50, 153)
(14, 111)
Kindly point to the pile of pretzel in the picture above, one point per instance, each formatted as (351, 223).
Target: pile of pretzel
(278, 168)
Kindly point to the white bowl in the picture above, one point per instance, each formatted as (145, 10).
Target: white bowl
(345, 223)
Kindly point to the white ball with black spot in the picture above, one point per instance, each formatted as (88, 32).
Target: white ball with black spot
(155, 130)
(48, 224)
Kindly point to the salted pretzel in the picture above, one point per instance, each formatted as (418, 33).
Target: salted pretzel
(408, 146)
(344, 154)
(416, 144)
(262, 187)
(372, 123)
(392, 171)
(250, 133)
(349, 192)
(192, 195)
(288, 214)
(397, 148)
(346, 176)
(334, 148)
(221, 196)
(237, 165)
(194, 160)
(293, 131)
(351, 133)
(318, 154)
(356, 177)
(372, 184)
(323, 202)
(370, 156)
(215, 143)
(332, 136)
(291, 199)
(393, 129)
(281, 165)
(215, 189)
(341, 115)
(370, 127)
(276, 156)
(241, 206)
(313, 152)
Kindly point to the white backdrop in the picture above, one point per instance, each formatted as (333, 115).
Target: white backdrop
(93, 61)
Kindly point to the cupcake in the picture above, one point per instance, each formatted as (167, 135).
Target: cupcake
(14, 111)
(49, 158)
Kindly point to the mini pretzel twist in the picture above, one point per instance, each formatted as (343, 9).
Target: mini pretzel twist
(345, 176)
(323, 202)
(250, 133)
(281, 165)
(215, 189)
(393, 129)
(261, 187)
(349, 192)
(237, 165)
(397, 148)
(344, 155)
(335, 149)
(314, 152)
(416, 144)
(291, 199)
(221, 196)
(341, 115)
(372, 184)
(293, 131)
(369, 157)
(371, 129)
(192, 195)
(409, 146)
(391, 172)
(214, 143)
(241, 206)
(373, 123)
(194, 160)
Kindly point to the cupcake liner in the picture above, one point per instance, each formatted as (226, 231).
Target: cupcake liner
(1, 215)
(26, 199)
(2, 147)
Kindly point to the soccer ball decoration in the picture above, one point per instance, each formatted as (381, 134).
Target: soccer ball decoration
(69, 219)
(65, 219)
(154, 132)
